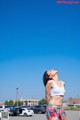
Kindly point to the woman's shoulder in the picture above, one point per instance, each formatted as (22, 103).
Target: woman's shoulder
(50, 83)
(62, 82)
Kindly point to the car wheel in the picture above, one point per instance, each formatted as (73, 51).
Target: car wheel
(43, 112)
(25, 114)
(40, 112)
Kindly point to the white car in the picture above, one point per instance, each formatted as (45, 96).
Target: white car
(2, 107)
(26, 112)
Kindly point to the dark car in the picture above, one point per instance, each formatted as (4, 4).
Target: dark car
(8, 107)
(14, 111)
(39, 109)
(25, 106)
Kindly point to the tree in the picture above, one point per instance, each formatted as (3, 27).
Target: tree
(19, 103)
(42, 102)
(10, 102)
(6, 102)
(25, 102)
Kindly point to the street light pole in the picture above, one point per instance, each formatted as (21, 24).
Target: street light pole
(17, 96)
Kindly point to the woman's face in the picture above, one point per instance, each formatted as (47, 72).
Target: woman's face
(52, 73)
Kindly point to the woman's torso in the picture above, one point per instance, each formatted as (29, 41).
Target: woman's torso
(57, 94)
(56, 100)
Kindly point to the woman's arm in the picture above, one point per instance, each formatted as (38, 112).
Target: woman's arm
(47, 91)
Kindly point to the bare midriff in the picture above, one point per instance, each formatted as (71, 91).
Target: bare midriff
(56, 100)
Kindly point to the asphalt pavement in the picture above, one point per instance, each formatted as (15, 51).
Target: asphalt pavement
(71, 115)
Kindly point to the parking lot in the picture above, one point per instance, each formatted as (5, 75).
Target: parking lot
(71, 115)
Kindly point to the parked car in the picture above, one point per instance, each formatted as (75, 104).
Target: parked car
(2, 107)
(8, 107)
(14, 111)
(25, 106)
(39, 109)
(26, 112)
(45, 106)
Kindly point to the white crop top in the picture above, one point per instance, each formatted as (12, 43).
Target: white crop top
(56, 90)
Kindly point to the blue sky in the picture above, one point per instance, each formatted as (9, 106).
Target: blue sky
(37, 35)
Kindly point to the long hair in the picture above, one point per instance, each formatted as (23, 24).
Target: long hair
(46, 78)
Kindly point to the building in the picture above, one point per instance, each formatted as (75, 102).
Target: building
(31, 101)
(2, 103)
(73, 101)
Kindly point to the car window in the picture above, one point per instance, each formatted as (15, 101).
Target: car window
(1, 110)
(1, 107)
(22, 109)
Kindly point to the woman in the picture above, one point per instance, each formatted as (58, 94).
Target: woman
(54, 93)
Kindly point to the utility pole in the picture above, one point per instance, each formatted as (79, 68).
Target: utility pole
(17, 96)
